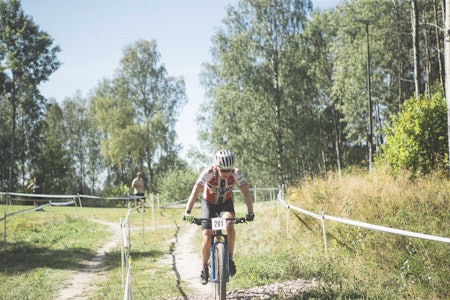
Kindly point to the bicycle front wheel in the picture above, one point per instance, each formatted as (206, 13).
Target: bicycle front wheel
(220, 271)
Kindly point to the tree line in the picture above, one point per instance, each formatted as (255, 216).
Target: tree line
(293, 91)
(300, 92)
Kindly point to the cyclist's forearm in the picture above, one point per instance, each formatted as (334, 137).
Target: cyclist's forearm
(248, 198)
(194, 194)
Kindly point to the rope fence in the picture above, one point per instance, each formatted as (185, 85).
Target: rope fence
(55, 200)
(125, 250)
(50, 204)
(322, 217)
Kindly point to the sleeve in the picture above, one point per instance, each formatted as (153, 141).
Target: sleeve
(205, 176)
(241, 181)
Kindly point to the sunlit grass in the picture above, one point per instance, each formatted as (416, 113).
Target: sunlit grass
(43, 245)
(359, 262)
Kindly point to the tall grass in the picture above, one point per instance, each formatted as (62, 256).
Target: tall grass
(361, 263)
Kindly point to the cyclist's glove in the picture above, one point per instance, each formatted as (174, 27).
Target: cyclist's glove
(249, 217)
(188, 218)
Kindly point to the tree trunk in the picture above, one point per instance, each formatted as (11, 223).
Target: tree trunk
(13, 140)
(278, 135)
(400, 56)
(337, 137)
(415, 35)
(426, 55)
(447, 66)
(438, 43)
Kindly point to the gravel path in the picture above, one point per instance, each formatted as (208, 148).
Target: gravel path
(185, 261)
(186, 264)
(81, 283)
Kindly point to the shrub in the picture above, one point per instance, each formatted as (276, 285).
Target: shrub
(417, 139)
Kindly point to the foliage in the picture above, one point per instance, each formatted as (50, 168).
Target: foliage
(287, 91)
(176, 185)
(81, 140)
(417, 138)
(54, 167)
(121, 190)
(28, 58)
(136, 113)
(258, 88)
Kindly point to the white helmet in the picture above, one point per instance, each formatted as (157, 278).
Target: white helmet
(224, 159)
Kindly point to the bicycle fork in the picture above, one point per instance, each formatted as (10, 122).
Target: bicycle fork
(216, 239)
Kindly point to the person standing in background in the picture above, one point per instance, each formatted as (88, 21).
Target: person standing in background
(36, 188)
(138, 185)
(80, 189)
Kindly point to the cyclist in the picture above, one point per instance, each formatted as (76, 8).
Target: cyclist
(216, 182)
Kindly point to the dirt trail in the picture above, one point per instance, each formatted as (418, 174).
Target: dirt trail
(80, 284)
(185, 262)
(184, 259)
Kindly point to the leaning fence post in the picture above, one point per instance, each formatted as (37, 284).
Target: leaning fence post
(51, 213)
(324, 236)
(143, 221)
(152, 199)
(279, 204)
(287, 219)
(122, 252)
(76, 205)
(4, 236)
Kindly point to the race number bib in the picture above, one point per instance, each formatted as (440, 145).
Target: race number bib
(219, 223)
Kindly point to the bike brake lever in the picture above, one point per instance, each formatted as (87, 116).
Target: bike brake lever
(241, 220)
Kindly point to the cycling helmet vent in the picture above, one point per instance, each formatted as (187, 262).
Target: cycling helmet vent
(224, 159)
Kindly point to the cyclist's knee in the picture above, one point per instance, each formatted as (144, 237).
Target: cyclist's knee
(206, 233)
(227, 215)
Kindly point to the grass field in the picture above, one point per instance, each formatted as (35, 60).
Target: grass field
(42, 247)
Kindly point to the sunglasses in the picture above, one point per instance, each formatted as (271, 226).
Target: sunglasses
(224, 170)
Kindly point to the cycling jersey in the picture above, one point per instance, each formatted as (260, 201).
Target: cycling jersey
(216, 189)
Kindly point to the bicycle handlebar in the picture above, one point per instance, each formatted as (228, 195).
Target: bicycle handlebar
(199, 221)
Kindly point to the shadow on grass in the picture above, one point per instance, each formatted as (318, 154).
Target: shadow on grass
(23, 257)
(329, 235)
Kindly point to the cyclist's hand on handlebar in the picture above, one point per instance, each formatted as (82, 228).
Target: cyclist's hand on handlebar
(249, 217)
(188, 218)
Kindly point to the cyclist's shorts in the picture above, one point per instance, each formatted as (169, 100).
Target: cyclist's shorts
(210, 210)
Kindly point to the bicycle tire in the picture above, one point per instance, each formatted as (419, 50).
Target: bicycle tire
(220, 271)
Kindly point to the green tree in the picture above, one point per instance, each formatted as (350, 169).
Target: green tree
(318, 38)
(53, 162)
(137, 112)
(258, 86)
(417, 139)
(28, 58)
(177, 185)
(79, 134)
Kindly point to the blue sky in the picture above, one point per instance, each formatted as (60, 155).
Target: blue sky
(93, 33)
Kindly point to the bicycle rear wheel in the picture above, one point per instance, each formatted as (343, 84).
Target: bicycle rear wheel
(220, 271)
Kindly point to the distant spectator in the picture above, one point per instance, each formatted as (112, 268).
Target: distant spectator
(36, 188)
(138, 185)
(80, 189)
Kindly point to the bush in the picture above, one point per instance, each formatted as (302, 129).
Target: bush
(417, 139)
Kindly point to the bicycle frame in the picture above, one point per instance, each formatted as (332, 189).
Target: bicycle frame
(218, 237)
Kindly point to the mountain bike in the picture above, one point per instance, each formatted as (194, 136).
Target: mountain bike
(220, 273)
